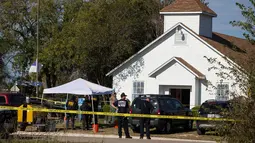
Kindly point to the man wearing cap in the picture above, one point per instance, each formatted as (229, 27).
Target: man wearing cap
(146, 108)
(123, 107)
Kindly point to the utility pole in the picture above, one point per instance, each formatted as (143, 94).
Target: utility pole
(37, 48)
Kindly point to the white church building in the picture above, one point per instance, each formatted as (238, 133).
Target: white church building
(175, 63)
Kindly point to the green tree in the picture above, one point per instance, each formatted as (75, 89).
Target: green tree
(242, 103)
(77, 38)
(18, 30)
(96, 36)
(248, 24)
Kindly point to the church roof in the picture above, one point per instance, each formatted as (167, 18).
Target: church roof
(233, 48)
(183, 63)
(188, 6)
(237, 49)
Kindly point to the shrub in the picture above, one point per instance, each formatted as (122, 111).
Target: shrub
(106, 108)
(195, 111)
(241, 131)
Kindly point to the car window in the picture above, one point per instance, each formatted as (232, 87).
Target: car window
(215, 107)
(176, 104)
(166, 104)
(136, 103)
(154, 103)
(17, 99)
(2, 100)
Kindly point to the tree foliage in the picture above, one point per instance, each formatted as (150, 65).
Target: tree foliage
(248, 24)
(77, 38)
(242, 103)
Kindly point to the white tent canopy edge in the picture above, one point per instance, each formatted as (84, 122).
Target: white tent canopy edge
(79, 87)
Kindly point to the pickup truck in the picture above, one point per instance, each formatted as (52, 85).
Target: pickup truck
(8, 118)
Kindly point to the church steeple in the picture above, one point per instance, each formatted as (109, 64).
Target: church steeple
(192, 13)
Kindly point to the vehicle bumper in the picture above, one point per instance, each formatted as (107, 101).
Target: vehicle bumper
(206, 125)
(135, 123)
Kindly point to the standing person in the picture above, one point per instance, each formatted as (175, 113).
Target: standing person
(112, 109)
(71, 104)
(123, 107)
(86, 106)
(146, 108)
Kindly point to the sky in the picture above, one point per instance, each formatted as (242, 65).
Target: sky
(227, 11)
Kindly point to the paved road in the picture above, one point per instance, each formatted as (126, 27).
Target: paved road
(93, 138)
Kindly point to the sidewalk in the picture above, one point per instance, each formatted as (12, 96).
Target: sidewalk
(78, 137)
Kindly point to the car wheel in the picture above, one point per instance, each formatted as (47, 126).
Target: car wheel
(4, 130)
(23, 126)
(14, 125)
(168, 127)
(200, 131)
(189, 125)
(4, 135)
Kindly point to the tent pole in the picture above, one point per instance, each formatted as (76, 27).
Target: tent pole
(42, 99)
(93, 110)
(66, 102)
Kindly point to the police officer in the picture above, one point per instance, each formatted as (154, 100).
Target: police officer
(86, 118)
(146, 108)
(71, 104)
(123, 107)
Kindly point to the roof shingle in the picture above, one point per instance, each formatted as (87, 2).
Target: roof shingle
(237, 49)
(181, 61)
(188, 6)
(189, 66)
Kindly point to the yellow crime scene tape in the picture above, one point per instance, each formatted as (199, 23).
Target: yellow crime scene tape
(65, 102)
(116, 114)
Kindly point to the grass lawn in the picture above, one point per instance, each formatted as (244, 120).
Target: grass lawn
(106, 129)
(177, 133)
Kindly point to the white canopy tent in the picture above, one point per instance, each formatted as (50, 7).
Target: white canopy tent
(79, 87)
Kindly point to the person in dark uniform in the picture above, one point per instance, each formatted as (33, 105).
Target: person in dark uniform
(86, 118)
(146, 108)
(71, 104)
(123, 107)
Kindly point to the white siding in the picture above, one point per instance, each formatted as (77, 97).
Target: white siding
(193, 52)
(177, 75)
(190, 20)
(205, 25)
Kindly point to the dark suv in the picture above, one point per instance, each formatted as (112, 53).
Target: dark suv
(211, 109)
(163, 105)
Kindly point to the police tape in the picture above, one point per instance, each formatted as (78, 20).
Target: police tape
(117, 114)
(61, 102)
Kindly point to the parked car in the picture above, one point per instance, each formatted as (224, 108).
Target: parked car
(8, 118)
(163, 105)
(211, 109)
